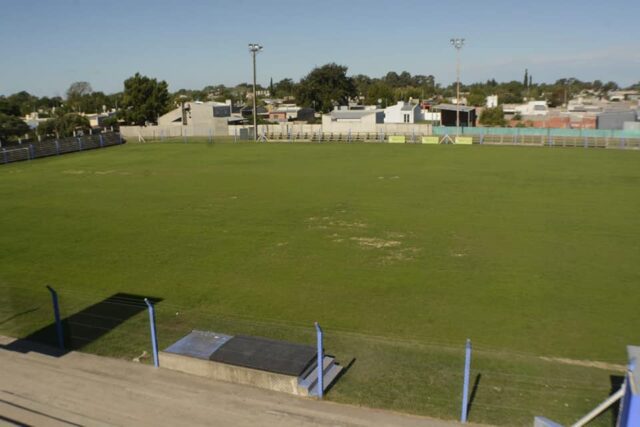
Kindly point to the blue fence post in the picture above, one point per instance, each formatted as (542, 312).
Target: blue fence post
(4, 155)
(154, 338)
(32, 152)
(101, 141)
(56, 316)
(465, 386)
(320, 368)
(79, 144)
(57, 148)
(482, 138)
(210, 136)
(119, 138)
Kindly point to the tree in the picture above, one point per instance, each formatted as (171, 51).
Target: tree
(556, 97)
(476, 97)
(144, 99)
(12, 127)
(9, 108)
(492, 117)
(525, 82)
(285, 87)
(362, 83)
(325, 87)
(76, 92)
(25, 100)
(64, 125)
(379, 93)
(79, 89)
(272, 91)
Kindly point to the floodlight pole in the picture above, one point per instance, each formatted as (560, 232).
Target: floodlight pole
(254, 48)
(457, 44)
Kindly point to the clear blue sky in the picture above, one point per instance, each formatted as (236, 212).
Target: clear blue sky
(45, 45)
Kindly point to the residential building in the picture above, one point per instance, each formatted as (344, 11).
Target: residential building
(284, 113)
(211, 115)
(492, 101)
(615, 119)
(402, 112)
(341, 119)
(448, 114)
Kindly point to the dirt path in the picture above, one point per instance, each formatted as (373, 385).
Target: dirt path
(82, 389)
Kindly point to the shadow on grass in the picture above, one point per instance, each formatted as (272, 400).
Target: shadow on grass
(616, 382)
(474, 391)
(15, 316)
(84, 327)
(340, 375)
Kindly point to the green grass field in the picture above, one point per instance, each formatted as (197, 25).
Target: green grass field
(400, 251)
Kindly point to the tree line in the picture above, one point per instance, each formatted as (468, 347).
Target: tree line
(144, 98)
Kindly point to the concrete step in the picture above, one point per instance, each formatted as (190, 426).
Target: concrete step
(330, 371)
(311, 375)
(329, 377)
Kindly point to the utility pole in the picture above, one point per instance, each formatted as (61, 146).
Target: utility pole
(254, 48)
(457, 44)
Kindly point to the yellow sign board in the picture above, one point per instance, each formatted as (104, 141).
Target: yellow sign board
(464, 140)
(430, 140)
(396, 139)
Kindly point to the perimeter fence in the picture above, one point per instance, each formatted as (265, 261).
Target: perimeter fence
(419, 376)
(610, 140)
(29, 150)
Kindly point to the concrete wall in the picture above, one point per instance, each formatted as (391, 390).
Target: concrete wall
(218, 127)
(234, 374)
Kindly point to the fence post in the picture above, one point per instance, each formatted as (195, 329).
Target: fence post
(210, 136)
(56, 316)
(4, 155)
(101, 140)
(465, 386)
(320, 368)
(235, 134)
(32, 152)
(154, 338)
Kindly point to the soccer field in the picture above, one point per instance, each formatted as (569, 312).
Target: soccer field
(401, 252)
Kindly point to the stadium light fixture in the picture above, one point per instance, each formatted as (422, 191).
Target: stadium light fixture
(254, 48)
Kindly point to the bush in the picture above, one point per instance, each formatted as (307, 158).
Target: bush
(492, 117)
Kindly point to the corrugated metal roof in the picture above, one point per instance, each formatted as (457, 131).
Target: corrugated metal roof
(453, 107)
(352, 114)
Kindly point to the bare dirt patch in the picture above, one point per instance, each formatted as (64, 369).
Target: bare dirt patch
(376, 242)
(586, 363)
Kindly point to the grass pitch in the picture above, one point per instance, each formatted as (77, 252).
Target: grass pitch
(401, 252)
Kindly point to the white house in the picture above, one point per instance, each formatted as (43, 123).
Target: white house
(492, 101)
(402, 112)
(197, 114)
(531, 108)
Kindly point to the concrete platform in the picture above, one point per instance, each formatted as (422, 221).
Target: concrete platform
(259, 362)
